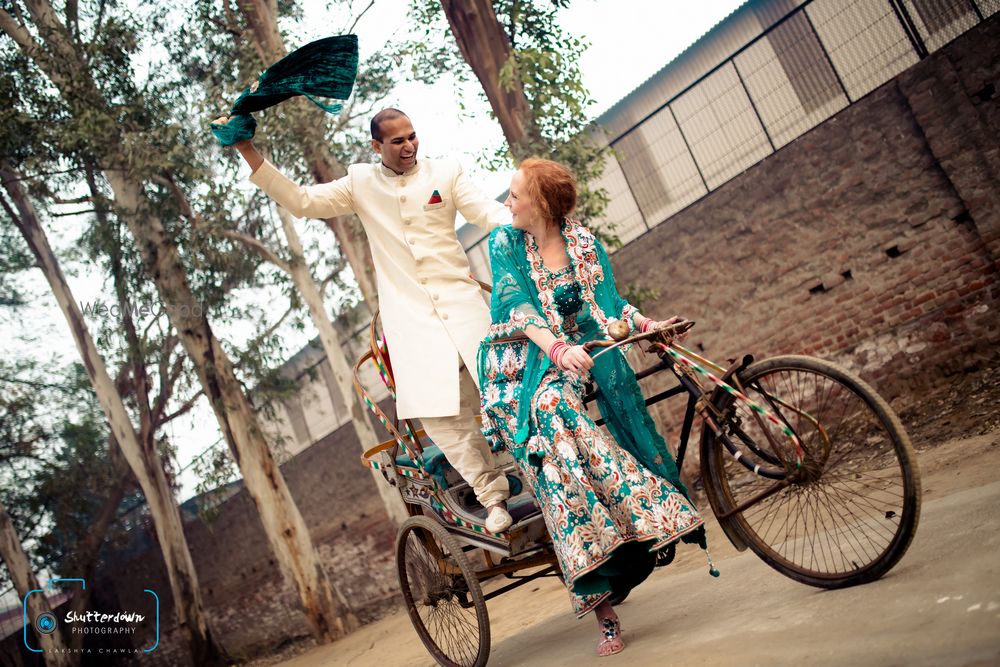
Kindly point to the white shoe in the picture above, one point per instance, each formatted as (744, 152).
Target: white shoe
(498, 520)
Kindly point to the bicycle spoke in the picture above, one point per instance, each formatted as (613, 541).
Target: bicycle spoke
(436, 579)
(844, 509)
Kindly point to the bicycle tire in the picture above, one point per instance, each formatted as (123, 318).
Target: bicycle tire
(850, 511)
(437, 581)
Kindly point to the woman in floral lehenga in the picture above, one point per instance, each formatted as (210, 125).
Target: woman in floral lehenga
(609, 505)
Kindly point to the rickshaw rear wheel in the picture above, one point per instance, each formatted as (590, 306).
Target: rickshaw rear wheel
(442, 594)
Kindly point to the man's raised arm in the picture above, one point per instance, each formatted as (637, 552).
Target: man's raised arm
(325, 200)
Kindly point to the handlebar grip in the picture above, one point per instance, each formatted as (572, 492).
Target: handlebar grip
(674, 329)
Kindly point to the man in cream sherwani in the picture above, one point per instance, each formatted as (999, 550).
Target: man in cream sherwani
(433, 314)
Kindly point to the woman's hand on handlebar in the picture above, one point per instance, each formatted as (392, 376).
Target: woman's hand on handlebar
(576, 359)
(649, 325)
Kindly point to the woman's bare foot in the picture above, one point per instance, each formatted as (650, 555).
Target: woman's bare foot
(611, 630)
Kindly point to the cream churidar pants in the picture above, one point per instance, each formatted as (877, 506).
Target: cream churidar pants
(461, 439)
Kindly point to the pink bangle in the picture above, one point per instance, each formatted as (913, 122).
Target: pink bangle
(646, 325)
(556, 350)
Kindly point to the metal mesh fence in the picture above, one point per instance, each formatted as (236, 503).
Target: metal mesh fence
(659, 168)
(629, 220)
(940, 21)
(987, 8)
(791, 80)
(794, 74)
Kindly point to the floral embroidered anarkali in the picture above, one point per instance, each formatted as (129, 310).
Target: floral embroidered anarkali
(609, 503)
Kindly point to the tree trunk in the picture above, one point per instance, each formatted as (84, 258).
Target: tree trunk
(148, 470)
(486, 48)
(86, 551)
(262, 18)
(342, 372)
(25, 581)
(328, 616)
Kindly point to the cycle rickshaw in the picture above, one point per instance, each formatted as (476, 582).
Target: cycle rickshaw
(802, 462)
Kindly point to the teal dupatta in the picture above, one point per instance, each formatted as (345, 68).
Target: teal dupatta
(323, 68)
(522, 296)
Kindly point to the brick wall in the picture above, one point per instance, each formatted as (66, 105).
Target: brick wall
(872, 240)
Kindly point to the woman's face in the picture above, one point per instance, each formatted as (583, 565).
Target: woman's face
(522, 209)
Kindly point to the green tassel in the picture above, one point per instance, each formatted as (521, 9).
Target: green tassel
(324, 68)
(711, 566)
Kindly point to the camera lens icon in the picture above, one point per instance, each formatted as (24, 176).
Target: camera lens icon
(45, 623)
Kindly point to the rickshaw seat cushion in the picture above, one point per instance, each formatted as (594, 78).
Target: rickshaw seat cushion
(436, 464)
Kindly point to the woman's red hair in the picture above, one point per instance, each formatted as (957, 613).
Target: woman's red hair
(551, 186)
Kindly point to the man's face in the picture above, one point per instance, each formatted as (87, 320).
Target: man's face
(398, 147)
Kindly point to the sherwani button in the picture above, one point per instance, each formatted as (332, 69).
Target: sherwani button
(444, 316)
(402, 182)
(435, 297)
(423, 281)
(403, 198)
(407, 221)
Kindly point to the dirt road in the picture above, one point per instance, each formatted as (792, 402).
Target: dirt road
(939, 606)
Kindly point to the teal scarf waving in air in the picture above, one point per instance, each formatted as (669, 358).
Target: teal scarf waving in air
(324, 68)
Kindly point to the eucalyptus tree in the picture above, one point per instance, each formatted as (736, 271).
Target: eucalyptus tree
(60, 484)
(144, 462)
(528, 68)
(122, 128)
(314, 146)
(72, 499)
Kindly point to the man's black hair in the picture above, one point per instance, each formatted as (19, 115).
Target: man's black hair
(385, 114)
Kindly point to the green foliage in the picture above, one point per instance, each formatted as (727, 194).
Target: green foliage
(14, 259)
(71, 489)
(639, 296)
(216, 474)
(136, 117)
(23, 427)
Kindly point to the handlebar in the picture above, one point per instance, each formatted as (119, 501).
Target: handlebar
(668, 331)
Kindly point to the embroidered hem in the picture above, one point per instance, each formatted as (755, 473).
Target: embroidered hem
(607, 556)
